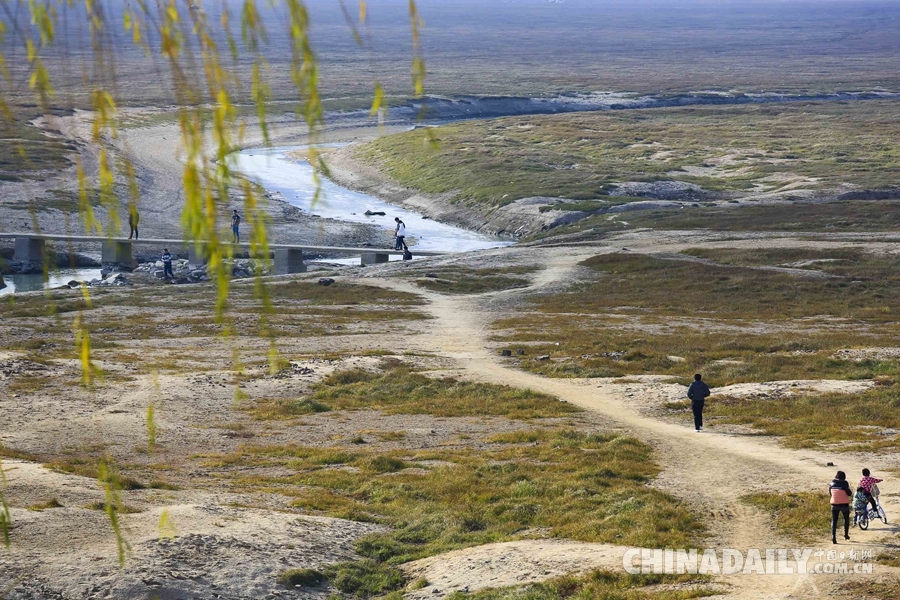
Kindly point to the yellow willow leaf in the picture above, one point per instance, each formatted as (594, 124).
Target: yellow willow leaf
(84, 204)
(362, 11)
(166, 526)
(86, 294)
(418, 71)
(41, 18)
(30, 50)
(4, 110)
(112, 487)
(378, 100)
(151, 428)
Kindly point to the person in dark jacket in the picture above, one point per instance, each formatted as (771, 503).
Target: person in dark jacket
(698, 393)
(840, 504)
(167, 264)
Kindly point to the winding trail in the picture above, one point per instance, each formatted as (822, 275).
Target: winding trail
(711, 470)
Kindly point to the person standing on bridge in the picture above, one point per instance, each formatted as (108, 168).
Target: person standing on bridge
(698, 393)
(133, 219)
(236, 227)
(167, 264)
(400, 234)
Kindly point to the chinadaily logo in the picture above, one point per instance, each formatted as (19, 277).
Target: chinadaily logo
(761, 561)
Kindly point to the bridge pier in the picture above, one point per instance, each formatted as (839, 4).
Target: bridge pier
(197, 258)
(29, 249)
(373, 258)
(117, 254)
(289, 260)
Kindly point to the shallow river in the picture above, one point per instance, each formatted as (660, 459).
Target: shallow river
(35, 281)
(292, 178)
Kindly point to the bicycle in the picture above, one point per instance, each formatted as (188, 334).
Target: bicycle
(862, 517)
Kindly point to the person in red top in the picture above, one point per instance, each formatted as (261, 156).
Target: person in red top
(840, 504)
(865, 484)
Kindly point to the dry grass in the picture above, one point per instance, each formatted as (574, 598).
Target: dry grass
(580, 485)
(579, 156)
(805, 516)
(462, 280)
(864, 422)
(735, 324)
(400, 391)
(603, 585)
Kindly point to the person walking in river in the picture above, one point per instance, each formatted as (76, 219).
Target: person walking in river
(698, 393)
(400, 235)
(840, 504)
(236, 227)
(133, 219)
(167, 264)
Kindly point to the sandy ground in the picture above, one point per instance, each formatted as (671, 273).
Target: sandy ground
(230, 545)
(710, 471)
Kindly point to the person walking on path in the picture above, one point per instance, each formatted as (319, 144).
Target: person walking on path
(865, 484)
(840, 504)
(698, 393)
(133, 219)
(400, 234)
(236, 227)
(167, 264)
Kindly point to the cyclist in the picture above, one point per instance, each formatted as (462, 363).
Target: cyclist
(840, 504)
(865, 484)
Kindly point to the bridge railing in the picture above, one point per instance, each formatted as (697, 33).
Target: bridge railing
(119, 252)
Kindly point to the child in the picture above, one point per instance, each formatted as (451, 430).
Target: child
(865, 484)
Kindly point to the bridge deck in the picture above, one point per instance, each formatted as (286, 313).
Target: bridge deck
(179, 243)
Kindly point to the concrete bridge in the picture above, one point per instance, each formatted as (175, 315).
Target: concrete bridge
(119, 252)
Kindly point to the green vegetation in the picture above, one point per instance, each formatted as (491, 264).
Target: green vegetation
(847, 422)
(573, 484)
(805, 516)
(603, 585)
(461, 280)
(401, 391)
(364, 578)
(735, 324)
(114, 318)
(720, 148)
(844, 216)
(46, 505)
(266, 409)
(301, 577)
(880, 589)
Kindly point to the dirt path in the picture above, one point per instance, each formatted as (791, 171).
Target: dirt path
(711, 470)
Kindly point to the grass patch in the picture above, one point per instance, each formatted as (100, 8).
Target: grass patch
(123, 509)
(460, 280)
(364, 578)
(579, 156)
(882, 589)
(578, 485)
(804, 516)
(281, 408)
(734, 324)
(604, 585)
(46, 505)
(847, 422)
(301, 578)
(400, 391)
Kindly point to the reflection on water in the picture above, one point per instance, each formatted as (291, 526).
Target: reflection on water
(277, 172)
(35, 281)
